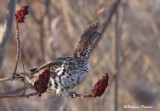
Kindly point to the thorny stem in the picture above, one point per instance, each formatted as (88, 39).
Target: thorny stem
(18, 50)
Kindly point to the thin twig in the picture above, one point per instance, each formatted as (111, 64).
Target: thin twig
(16, 76)
(75, 96)
(8, 79)
(106, 23)
(15, 91)
(42, 36)
(39, 22)
(33, 94)
(5, 79)
(84, 96)
(18, 50)
(48, 14)
(117, 64)
(36, 20)
(16, 96)
(23, 72)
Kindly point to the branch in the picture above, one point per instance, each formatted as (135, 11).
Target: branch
(18, 50)
(8, 79)
(18, 96)
(73, 96)
(15, 91)
(47, 7)
(8, 29)
(34, 17)
(19, 18)
(16, 76)
(106, 23)
(83, 96)
(5, 79)
(117, 64)
(39, 22)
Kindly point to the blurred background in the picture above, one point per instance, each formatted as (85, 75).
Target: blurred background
(129, 48)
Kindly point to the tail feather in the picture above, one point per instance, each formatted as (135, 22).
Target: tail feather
(26, 76)
(21, 75)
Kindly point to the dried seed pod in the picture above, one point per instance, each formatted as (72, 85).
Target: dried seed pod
(41, 84)
(20, 15)
(100, 86)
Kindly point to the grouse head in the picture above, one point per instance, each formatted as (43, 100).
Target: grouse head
(90, 34)
(87, 39)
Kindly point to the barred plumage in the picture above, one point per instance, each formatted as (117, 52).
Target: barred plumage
(68, 72)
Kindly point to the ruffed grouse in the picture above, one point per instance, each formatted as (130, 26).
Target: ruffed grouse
(68, 72)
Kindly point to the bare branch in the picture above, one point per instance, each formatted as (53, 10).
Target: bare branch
(74, 96)
(117, 64)
(106, 23)
(18, 96)
(15, 91)
(16, 76)
(34, 16)
(8, 29)
(5, 79)
(18, 50)
(48, 14)
(39, 22)
(8, 79)
(84, 96)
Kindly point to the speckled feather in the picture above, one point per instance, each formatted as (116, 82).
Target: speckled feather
(68, 72)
